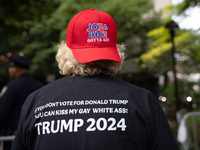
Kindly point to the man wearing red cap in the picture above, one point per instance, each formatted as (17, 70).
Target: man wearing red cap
(89, 109)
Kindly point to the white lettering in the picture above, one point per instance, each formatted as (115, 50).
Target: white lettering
(95, 102)
(78, 102)
(84, 111)
(52, 126)
(45, 127)
(114, 101)
(67, 125)
(77, 123)
(73, 111)
(103, 122)
(38, 127)
(73, 125)
(102, 110)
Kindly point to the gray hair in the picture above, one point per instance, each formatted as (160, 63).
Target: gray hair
(70, 67)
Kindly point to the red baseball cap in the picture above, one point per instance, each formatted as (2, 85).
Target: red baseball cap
(92, 35)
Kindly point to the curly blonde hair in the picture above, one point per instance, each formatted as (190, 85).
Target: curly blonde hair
(70, 67)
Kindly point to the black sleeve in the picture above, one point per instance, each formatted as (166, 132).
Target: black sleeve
(20, 139)
(163, 138)
(7, 102)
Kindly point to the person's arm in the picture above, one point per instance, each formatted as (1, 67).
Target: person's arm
(19, 142)
(22, 136)
(7, 102)
(163, 138)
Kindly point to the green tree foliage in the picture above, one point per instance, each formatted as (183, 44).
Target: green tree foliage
(17, 18)
(183, 6)
(159, 46)
(187, 49)
(187, 46)
(37, 27)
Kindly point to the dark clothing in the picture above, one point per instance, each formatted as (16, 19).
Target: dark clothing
(13, 98)
(93, 113)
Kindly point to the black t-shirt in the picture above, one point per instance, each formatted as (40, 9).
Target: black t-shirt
(93, 113)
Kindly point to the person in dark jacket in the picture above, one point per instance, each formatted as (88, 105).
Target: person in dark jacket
(13, 94)
(88, 109)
